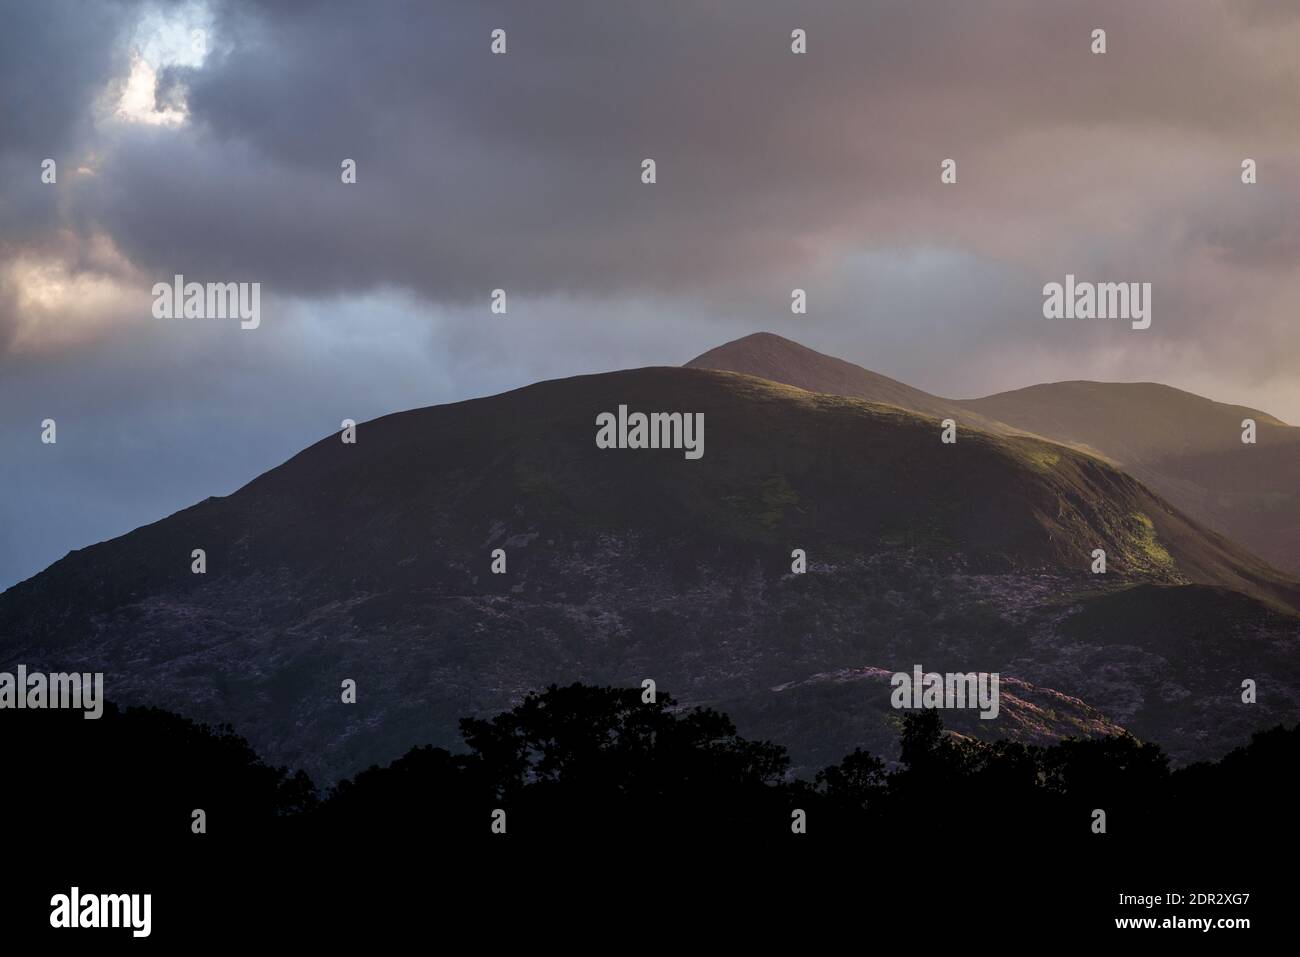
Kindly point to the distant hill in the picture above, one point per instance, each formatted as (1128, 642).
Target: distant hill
(372, 562)
(1186, 447)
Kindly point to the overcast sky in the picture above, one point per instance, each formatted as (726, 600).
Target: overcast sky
(220, 161)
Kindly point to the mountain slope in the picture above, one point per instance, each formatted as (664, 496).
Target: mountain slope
(780, 360)
(777, 359)
(1185, 447)
(852, 709)
(371, 562)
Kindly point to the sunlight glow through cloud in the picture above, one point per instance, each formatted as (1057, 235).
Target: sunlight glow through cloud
(177, 38)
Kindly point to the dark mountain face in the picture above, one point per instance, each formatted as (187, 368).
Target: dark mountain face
(834, 712)
(1185, 447)
(372, 562)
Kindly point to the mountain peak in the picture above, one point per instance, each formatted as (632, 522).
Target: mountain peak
(759, 347)
(1186, 447)
(778, 359)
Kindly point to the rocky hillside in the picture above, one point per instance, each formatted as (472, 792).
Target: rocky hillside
(372, 562)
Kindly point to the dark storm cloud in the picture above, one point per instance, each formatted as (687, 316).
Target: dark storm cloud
(523, 170)
(54, 59)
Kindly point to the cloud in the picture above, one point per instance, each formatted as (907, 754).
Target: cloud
(66, 292)
(474, 167)
(478, 170)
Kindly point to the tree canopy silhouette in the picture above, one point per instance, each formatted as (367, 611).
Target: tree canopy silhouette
(582, 763)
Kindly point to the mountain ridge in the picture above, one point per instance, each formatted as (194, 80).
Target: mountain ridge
(372, 562)
(1186, 447)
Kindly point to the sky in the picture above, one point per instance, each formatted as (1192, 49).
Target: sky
(207, 139)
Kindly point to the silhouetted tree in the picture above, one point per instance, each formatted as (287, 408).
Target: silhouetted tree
(588, 764)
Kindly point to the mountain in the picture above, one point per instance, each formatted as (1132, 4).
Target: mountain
(777, 359)
(852, 710)
(771, 357)
(372, 562)
(1186, 447)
